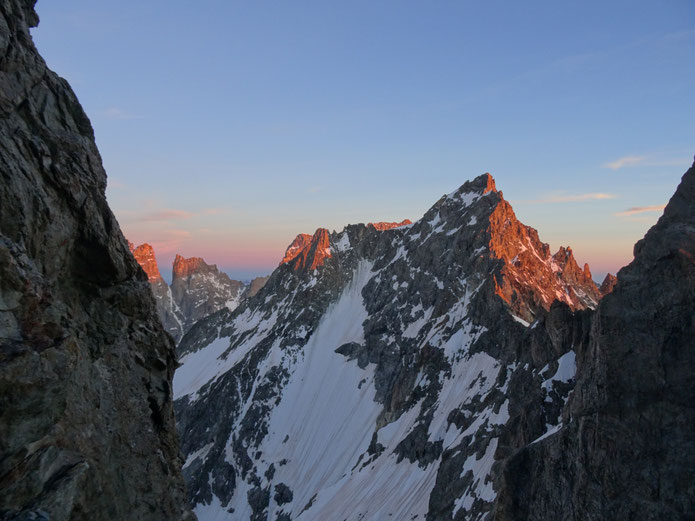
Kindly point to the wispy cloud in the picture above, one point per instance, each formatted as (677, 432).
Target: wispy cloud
(314, 189)
(629, 161)
(641, 209)
(571, 198)
(117, 113)
(166, 214)
(624, 161)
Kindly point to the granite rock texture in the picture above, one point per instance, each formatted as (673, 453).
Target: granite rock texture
(86, 422)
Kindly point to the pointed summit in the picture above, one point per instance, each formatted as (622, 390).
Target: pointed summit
(313, 254)
(529, 278)
(481, 185)
(489, 183)
(184, 267)
(144, 254)
(608, 284)
(300, 242)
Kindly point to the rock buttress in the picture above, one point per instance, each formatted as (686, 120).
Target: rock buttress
(86, 422)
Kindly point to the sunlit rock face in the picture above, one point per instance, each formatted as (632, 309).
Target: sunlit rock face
(381, 226)
(86, 424)
(382, 373)
(300, 242)
(167, 308)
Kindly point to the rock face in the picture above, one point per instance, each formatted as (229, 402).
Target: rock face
(626, 446)
(255, 286)
(167, 308)
(313, 254)
(86, 423)
(608, 284)
(200, 289)
(381, 226)
(381, 374)
(300, 242)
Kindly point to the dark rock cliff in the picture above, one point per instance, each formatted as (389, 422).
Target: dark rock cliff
(627, 446)
(86, 423)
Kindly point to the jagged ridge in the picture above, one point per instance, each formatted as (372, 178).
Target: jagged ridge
(374, 357)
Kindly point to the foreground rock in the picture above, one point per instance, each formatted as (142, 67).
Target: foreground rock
(86, 424)
(626, 446)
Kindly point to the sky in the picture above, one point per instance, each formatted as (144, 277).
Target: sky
(227, 128)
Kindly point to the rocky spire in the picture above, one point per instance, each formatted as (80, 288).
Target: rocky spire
(185, 267)
(608, 284)
(529, 278)
(313, 254)
(300, 242)
(144, 254)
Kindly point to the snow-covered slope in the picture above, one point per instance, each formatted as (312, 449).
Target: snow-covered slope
(380, 374)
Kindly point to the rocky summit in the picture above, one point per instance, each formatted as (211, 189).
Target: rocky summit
(168, 309)
(198, 289)
(608, 284)
(201, 289)
(86, 421)
(385, 372)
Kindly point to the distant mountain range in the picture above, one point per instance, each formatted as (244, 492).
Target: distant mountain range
(197, 290)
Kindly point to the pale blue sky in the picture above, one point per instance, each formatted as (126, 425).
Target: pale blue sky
(227, 128)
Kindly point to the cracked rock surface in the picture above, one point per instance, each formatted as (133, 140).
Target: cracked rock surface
(86, 421)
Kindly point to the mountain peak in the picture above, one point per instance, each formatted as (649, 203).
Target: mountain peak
(144, 254)
(608, 284)
(312, 253)
(300, 242)
(184, 267)
(471, 191)
(489, 182)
